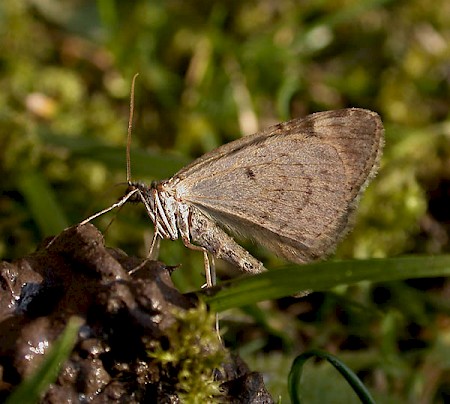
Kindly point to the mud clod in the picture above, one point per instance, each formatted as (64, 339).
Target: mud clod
(126, 317)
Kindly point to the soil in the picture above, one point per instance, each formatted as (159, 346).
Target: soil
(127, 307)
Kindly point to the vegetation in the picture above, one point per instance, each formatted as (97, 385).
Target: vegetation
(209, 72)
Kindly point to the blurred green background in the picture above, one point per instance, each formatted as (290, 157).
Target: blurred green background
(211, 71)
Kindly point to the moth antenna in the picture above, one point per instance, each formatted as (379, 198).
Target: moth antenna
(130, 127)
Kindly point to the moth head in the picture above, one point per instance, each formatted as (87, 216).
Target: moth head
(137, 195)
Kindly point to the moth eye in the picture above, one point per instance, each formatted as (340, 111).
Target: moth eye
(130, 189)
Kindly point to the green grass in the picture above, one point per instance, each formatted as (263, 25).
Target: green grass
(32, 389)
(322, 276)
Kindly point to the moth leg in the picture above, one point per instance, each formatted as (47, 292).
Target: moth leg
(211, 278)
(152, 255)
(213, 270)
(210, 273)
(183, 215)
(118, 204)
(211, 281)
(154, 247)
(208, 235)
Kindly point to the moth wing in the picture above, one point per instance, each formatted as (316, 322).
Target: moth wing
(292, 187)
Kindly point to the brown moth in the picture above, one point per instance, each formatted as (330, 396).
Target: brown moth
(292, 188)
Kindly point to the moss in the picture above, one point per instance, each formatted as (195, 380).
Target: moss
(192, 354)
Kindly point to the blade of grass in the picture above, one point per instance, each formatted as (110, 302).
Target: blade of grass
(297, 369)
(31, 389)
(43, 203)
(145, 163)
(321, 276)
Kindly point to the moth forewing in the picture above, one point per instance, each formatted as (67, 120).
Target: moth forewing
(292, 188)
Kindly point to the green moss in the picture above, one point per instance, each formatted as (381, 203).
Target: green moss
(192, 354)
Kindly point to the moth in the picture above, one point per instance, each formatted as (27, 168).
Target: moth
(292, 188)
